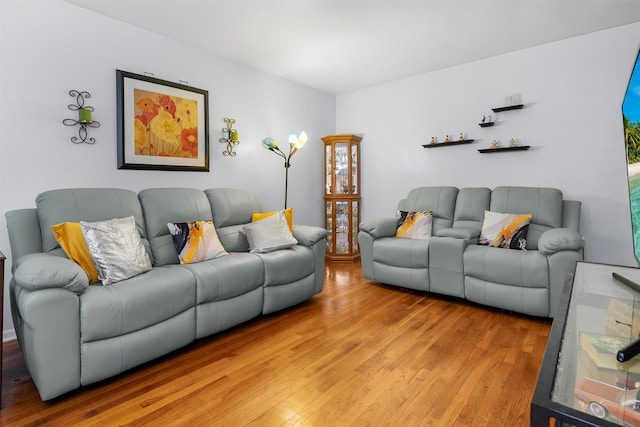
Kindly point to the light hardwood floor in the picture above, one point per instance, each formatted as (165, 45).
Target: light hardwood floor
(359, 353)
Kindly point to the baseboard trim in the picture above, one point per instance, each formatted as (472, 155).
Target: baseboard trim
(9, 335)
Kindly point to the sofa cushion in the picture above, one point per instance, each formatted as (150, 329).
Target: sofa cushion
(504, 230)
(86, 204)
(116, 249)
(287, 265)
(544, 204)
(233, 239)
(196, 241)
(414, 225)
(470, 206)
(135, 303)
(410, 253)
(515, 268)
(164, 205)
(440, 201)
(226, 277)
(232, 206)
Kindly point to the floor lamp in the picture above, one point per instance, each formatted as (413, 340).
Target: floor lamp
(295, 143)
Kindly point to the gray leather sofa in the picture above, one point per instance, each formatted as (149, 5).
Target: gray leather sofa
(452, 262)
(73, 334)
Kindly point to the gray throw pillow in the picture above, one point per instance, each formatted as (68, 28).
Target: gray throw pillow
(269, 234)
(116, 249)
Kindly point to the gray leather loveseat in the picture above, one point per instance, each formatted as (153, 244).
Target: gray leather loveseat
(72, 333)
(452, 262)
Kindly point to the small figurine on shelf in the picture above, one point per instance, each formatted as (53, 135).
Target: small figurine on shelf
(461, 137)
(433, 140)
(512, 142)
(446, 138)
(484, 119)
(494, 144)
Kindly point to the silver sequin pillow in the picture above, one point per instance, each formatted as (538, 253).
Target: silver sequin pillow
(116, 249)
(269, 234)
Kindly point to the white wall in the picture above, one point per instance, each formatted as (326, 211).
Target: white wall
(48, 47)
(572, 91)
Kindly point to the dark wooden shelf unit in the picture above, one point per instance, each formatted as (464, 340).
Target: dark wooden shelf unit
(503, 149)
(444, 144)
(511, 107)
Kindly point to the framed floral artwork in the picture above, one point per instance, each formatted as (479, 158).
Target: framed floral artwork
(161, 125)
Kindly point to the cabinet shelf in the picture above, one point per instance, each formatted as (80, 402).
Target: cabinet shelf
(486, 124)
(443, 144)
(511, 107)
(503, 149)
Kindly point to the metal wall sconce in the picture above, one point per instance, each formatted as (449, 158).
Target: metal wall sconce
(84, 117)
(229, 137)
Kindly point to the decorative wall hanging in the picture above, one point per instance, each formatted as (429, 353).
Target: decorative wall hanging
(161, 125)
(84, 117)
(229, 137)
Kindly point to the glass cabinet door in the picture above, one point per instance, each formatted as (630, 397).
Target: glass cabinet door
(329, 224)
(354, 169)
(328, 165)
(342, 168)
(342, 227)
(355, 223)
(342, 221)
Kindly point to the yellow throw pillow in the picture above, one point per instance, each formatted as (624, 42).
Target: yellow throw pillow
(71, 240)
(288, 214)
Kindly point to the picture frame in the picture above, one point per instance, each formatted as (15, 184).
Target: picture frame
(161, 125)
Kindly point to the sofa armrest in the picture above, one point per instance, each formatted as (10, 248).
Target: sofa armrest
(309, 235)
(25, 237)
(560, 239)
(380, 227)
(42, 271)
(459, 233)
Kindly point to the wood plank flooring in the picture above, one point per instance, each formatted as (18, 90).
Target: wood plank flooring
(359, 353)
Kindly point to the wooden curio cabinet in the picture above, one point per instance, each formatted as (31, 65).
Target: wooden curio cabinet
(342, 196)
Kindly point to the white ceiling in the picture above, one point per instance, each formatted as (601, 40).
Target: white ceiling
(343, 45)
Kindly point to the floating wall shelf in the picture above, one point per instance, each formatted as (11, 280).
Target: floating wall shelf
(503, 149)
(486, 124)
(511, 107)
(443, 144)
